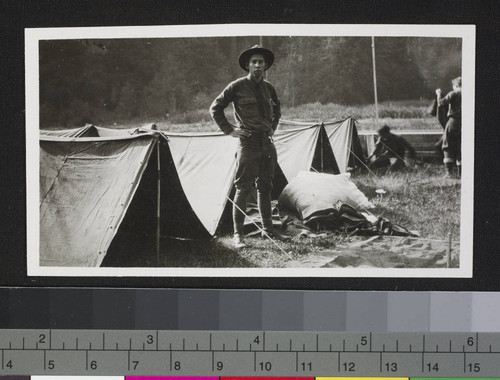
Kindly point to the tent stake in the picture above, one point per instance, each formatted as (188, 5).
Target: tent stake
(448, 264)
(158, 204)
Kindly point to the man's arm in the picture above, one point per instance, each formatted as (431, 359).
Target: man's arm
(446, 100)
(378, 148)
(219, 105)
(276, 109)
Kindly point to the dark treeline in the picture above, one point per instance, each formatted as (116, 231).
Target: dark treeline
(102, 81)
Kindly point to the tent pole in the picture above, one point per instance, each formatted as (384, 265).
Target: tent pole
(158, 204)
(321, 142)
(375, 80)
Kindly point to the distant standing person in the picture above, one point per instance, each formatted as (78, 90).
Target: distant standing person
(452, 135)
(390, 150)
(257, 112)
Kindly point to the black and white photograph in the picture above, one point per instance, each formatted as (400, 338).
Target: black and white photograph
(250, 150)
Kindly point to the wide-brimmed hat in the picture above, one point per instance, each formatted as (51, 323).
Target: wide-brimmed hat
(266, 53)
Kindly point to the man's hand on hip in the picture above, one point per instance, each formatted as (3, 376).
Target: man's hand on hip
(238, 132)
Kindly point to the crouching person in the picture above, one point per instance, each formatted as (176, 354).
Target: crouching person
(391, 151)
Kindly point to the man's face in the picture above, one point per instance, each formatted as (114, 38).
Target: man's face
(256, 66)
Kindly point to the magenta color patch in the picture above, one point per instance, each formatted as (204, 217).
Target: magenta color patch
(170, 378)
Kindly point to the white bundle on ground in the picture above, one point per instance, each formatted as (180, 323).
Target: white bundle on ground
(309, 193)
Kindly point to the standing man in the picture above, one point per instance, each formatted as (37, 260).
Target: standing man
(257, 112)
(452, 135)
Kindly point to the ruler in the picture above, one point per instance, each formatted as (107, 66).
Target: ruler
(248, 353)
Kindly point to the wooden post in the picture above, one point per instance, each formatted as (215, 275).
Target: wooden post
(448, 264)
(158, 205)
(375, 80)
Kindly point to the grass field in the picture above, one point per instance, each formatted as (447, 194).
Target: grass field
(398, 115)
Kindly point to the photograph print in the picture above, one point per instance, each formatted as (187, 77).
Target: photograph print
(227, 150)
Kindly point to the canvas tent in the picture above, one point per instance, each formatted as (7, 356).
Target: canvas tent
(338, 145)
(104, 193)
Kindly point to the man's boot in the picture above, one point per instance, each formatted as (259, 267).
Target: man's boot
(264, 203)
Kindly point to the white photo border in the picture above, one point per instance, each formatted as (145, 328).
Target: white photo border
(32, 37)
